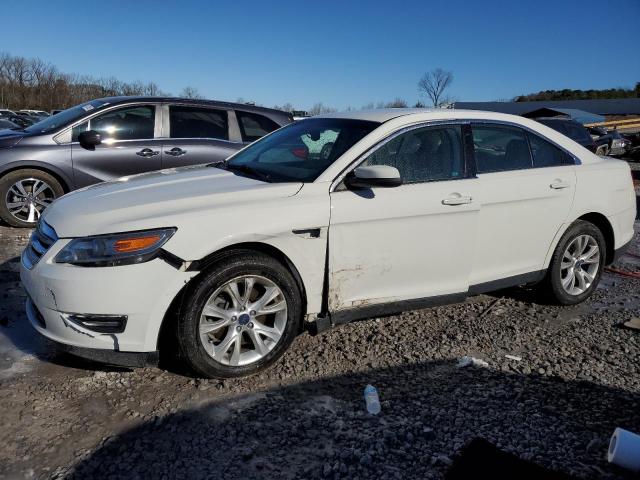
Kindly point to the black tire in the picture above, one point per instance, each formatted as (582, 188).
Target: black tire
(552, 285)
(235, 264)
(17, 175)
(325, 152)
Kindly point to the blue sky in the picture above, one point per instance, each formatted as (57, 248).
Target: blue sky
(342, 53)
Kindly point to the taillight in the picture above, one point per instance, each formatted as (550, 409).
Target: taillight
(301, 152)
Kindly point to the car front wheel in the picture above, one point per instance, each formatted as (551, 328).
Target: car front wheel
(239, 317)
(577, 264)
(24, 195)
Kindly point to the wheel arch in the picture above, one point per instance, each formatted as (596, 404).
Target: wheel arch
(203, 265)
(604, 225)
(65, 182)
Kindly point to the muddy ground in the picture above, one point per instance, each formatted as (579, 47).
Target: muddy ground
(577, 379)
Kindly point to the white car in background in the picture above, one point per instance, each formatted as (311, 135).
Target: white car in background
(409, 208)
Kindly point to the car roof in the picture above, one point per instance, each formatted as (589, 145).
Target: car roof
(214, 103)
(383, 115)
(378, 115)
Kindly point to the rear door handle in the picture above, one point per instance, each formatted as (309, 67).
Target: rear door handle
(457, 200)
(147, 152)
(559, 184)
(175, 152)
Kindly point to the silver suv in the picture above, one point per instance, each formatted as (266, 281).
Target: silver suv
(108, 138)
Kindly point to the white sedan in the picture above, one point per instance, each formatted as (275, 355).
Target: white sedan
(225, 264)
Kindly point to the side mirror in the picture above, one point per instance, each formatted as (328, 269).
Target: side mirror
(89, 139)
(373, 176)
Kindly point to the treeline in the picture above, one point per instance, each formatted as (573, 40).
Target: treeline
(33, 83)
(569, 94)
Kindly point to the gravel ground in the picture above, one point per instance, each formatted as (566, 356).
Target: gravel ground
(577, 379)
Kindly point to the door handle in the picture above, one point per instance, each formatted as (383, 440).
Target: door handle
(457, 199)
(175, 152)
(147, 152)
(559, 184)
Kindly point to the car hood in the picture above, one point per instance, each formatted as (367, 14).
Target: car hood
(157, 199)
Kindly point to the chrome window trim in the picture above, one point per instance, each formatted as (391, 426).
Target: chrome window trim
(470, 121)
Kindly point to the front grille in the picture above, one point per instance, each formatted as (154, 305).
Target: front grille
(42, 239)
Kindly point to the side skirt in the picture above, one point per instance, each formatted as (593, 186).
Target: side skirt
(341, 317)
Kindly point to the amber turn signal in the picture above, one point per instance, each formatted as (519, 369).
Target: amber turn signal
(134, 244)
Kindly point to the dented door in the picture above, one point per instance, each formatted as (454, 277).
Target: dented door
(408, 242)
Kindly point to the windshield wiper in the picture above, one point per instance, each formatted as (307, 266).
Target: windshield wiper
(247, 170)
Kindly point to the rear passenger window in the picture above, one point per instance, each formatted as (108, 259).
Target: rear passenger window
(424, 154)
(254, 126)
(198, 122)
(545, 154)
(500, 148)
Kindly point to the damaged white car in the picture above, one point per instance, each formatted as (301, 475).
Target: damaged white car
(225, 264)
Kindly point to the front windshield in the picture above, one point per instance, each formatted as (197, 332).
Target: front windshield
(64, 117)
(300, 151)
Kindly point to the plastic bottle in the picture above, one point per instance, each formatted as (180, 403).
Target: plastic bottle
(372, 400)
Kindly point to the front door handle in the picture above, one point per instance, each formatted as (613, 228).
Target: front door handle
(559, 184)
(457, 199)
(147, 152)
(175, 152)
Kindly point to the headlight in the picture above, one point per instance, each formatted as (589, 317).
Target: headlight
(116, 249)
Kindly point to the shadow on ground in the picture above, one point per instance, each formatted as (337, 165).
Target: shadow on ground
(429, 411)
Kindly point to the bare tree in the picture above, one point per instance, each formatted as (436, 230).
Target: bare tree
(397, 103)
(434, 83)
(319, 108)
(190, 92)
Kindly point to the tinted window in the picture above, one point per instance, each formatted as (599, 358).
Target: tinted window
(78, 129)
(545, 154)
(424, 154)
(577, 132)
(198, 122)
(130, 123)
(254, 126)
(300, 151)
(499, 148)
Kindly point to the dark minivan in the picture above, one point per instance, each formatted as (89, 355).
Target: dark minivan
(108, 138)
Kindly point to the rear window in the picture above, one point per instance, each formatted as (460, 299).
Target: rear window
(500, 148)
(254, 126)
(577, 132)
(545, 154)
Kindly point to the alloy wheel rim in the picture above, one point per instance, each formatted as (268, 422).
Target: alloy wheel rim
(580, 264)
(243, 320)
(27, 198)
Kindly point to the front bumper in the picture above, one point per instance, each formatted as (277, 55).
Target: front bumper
(141, 292)
(110, 357)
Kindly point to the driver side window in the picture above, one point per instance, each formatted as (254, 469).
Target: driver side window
(130, 123)
(424, 154)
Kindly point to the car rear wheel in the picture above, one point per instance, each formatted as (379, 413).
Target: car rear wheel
(25, 194)
(240, 317)
(577, 264)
